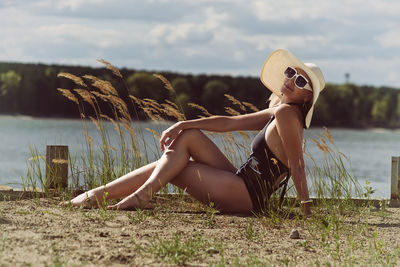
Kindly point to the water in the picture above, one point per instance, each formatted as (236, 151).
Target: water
(369, 151)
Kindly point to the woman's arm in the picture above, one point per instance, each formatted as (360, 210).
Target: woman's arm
(252, 121)
(289, 127)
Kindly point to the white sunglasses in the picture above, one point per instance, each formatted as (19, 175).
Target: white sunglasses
(300, 81)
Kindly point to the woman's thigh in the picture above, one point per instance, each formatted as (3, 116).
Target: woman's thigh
(202, 149)
(207, 184)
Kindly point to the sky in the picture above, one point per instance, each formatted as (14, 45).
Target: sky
(234, 37)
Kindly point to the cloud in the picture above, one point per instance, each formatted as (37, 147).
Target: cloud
(75, 4)
(367, 70)
(152, 11)
(390, 38)
(65, 33)
(188, 32)
(207, 36)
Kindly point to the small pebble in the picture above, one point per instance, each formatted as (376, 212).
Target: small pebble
(212, 251)
(124, 233)
(103, 234)
(294, 234)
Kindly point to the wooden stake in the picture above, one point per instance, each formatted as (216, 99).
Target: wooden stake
(394, 185)
(57, 167)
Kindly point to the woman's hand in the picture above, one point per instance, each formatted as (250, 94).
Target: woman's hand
(170, 135)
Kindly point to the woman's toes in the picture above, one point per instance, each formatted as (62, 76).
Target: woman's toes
(112, 207)
(82, 200)
(64, 203)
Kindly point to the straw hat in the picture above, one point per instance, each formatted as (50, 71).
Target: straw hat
(273, 78)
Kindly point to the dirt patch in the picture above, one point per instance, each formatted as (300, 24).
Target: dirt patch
(177, 232)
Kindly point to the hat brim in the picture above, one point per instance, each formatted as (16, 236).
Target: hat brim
(272, 75)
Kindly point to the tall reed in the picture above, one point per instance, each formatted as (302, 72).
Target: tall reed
(331, 173)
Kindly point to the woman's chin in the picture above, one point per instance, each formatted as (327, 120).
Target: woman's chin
(285, 92)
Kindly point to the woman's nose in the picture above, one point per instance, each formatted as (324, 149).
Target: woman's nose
(289, 82)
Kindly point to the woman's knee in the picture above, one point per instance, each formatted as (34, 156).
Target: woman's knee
(188, 136)
(191, 134)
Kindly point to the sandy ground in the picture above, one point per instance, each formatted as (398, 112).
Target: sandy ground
(39, 233)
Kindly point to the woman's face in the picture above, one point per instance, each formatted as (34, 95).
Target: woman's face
(293, 93)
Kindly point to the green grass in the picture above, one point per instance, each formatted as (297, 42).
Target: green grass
(177, 249)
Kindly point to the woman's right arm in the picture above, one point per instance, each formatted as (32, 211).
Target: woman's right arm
(252, 121)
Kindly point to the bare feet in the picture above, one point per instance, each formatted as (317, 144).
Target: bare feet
(131, 202)
(85, 200)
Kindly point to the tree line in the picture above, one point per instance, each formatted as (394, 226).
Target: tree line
(31, 89)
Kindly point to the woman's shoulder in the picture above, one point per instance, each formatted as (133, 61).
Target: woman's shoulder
(287, 112)
(285, 108)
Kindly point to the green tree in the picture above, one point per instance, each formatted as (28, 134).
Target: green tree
(182, 93)
(9, 81)
(145, 85)
(181, 85)
(213, 96)
(398, 107)
(379, 111)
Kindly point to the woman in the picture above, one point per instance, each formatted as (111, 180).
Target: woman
(194, 163)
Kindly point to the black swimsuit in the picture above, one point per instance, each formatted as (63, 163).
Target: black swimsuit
(261, 171)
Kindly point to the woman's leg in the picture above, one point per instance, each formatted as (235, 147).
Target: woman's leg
(207, 153)
(224, 189)
(121, 187)
(190, 143)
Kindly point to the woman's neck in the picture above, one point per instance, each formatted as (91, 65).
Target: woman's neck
(285, 100)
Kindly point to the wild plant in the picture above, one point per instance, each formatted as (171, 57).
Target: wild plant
(177, 250)
(104, 212)
(250, 260)
(249, 232)
(210, 214)
(332, 181)
(138, 216)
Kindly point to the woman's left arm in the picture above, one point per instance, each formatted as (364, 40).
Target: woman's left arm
(290, 130)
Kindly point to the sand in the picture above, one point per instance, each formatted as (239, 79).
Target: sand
(38, 232)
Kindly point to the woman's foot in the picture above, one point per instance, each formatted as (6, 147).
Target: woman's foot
(85, 200)
(131, 203)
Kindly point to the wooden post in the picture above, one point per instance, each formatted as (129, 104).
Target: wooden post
(394, 185)
(57, 167)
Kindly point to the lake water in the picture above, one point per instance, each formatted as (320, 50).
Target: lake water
(369, 151)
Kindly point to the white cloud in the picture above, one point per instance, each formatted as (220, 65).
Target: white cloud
(188, 32)
(268, 10)
(345, 11)
(369, 70)
(213, 36)
(390, 38)
(60, 5)
(63, 33)
(74, 4)
(391, 8)
(178, 34)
